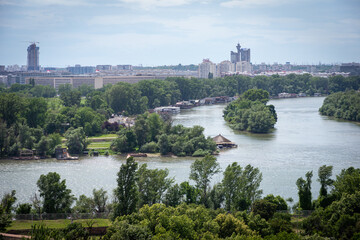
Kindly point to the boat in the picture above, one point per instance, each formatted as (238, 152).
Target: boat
(136, 155)
(62, 154)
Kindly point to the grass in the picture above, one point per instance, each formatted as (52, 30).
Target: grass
(60, 223)
(104, 136)
(97, 145)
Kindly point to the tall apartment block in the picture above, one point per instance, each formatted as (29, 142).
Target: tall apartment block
(33, 58)
(207, 67)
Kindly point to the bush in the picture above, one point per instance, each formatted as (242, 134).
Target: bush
(150, 147)
(200, 153)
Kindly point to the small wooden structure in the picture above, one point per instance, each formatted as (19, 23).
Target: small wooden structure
(62, 154)
(26, 154)
(223, 142)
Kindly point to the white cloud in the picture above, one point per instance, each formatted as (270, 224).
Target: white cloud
(150, 4)
(251, 3)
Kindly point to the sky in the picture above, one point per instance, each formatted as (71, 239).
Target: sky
(171, 32)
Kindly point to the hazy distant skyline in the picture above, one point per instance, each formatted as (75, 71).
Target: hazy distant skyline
(169, 32)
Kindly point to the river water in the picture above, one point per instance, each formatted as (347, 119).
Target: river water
(302, 141)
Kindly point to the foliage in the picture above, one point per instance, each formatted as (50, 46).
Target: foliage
(23, 208)
(126, 193)
(69, 96)
(202, 170)
(152, 184)
(152, 134)
(249, 112)
(76, 140)
(241, 186)
(6, 206)
(56, 197)
(344, 105)
(304, 191)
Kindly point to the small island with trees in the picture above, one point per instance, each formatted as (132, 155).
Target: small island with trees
(250, 112)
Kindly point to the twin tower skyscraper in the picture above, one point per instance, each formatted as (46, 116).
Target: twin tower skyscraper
(242, 54)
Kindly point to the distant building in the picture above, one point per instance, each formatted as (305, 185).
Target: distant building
(224, 67)
(243, 66)
(2, 68)
(78, 69)
(33, 58)
(124, 67)
(352, 68)
(206, 69)
(242, 54)
(103, 67)
(236, 56)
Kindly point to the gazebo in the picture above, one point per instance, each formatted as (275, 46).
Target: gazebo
(223, 142)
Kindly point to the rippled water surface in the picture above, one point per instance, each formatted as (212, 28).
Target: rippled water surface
(302, 141)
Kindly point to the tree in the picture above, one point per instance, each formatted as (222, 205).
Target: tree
(6, 206)
(152, 184)
(76, 140)
(84, 205)
(201, 172)
(241, 186)
(11, 105)
(304, 191)
(35, 112)
(126, 193)
(42, 147)
(325, 173)
(100, 199)
(69, 96)
(56, 197)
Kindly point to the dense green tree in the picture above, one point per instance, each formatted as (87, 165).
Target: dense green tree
(76, 140)
(249, 112)
(304, 191)
(241, 186)
(69, 96)
(100, 198)
(173, 196)
(190, 192)
(23, 208)
(35, 112)
(348, 181)
(11, 106)
(344, 105)
(6, 207)
(84, 205)
(264, 208)
(152, 184)
(126, 193)
(56, 197)
(202, 170)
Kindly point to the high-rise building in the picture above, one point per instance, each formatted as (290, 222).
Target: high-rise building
(224, 67)
(33, 58)
(242, 54)
(207, 69)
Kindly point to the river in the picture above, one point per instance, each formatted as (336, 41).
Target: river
(302, 141)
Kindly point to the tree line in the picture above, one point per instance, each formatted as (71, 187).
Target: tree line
(343, 105)
(148, 204)
(31, 117)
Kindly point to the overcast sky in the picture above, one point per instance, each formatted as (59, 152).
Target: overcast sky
(168, 32)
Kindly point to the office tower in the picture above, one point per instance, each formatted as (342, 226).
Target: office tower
(33, 58)
(245, 54)
(207, 69)
(242, 54)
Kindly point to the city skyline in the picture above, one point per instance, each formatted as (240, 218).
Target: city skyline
(159, 32)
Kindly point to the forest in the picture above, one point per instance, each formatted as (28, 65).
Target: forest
(342, 105)
(148, 204)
